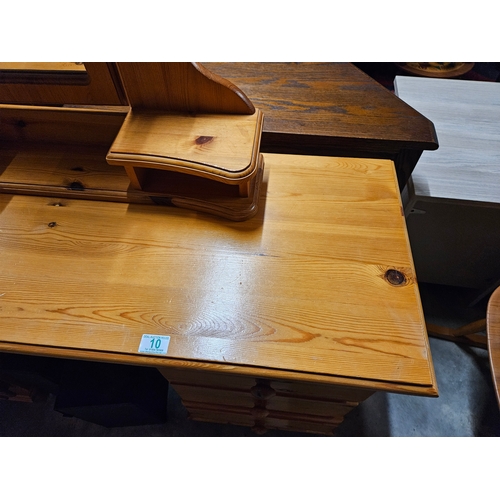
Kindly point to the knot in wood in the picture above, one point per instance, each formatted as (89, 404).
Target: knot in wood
(203, 139)
(395, 277)
(76, 186)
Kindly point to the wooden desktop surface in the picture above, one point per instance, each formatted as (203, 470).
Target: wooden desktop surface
(299, 292)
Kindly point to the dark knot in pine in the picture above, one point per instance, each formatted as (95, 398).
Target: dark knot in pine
(395, 277)
(203, 139)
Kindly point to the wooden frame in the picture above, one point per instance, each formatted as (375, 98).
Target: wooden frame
(102, 87)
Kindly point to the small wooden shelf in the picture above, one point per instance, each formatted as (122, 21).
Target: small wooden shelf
(203, 161)
(200, 193)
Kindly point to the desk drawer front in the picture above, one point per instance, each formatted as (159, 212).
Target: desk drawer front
(192, 394)
(268, 404)
(264, 403)
(320, 391)
(246, 400)
(210, 380)
(274, 419)
(207, 379)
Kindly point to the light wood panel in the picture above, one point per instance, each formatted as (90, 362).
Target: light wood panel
(220, 147)
(186, 120)
(62, 152)
(43, 124)
(300, 288)
(101, 87)
(193, 161)
(465, 114)
(42, 66)
(181, 87)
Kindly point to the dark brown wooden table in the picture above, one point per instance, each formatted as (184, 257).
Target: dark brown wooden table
(331, 109)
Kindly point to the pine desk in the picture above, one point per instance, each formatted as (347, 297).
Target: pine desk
(287, 320)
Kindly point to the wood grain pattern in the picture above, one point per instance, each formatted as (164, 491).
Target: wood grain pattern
(189, 122)
(44, 124)
(298, 289)
(331, 109)
(42, 66)
(193, 161)
(102, 87)
(62, 152)
(181, 87)
(465, 114)
(276, 420)
(31, 74)
(493, 333)
(334, 100)
(81, 172)
(220, 147)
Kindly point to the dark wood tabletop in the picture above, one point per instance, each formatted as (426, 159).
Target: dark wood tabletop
(331, 109)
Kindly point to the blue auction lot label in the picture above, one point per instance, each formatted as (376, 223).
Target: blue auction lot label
(154, 344)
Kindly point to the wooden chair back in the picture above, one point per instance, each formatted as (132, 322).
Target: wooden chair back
(493, 331)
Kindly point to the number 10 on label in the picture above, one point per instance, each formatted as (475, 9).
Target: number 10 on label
(154, 344)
